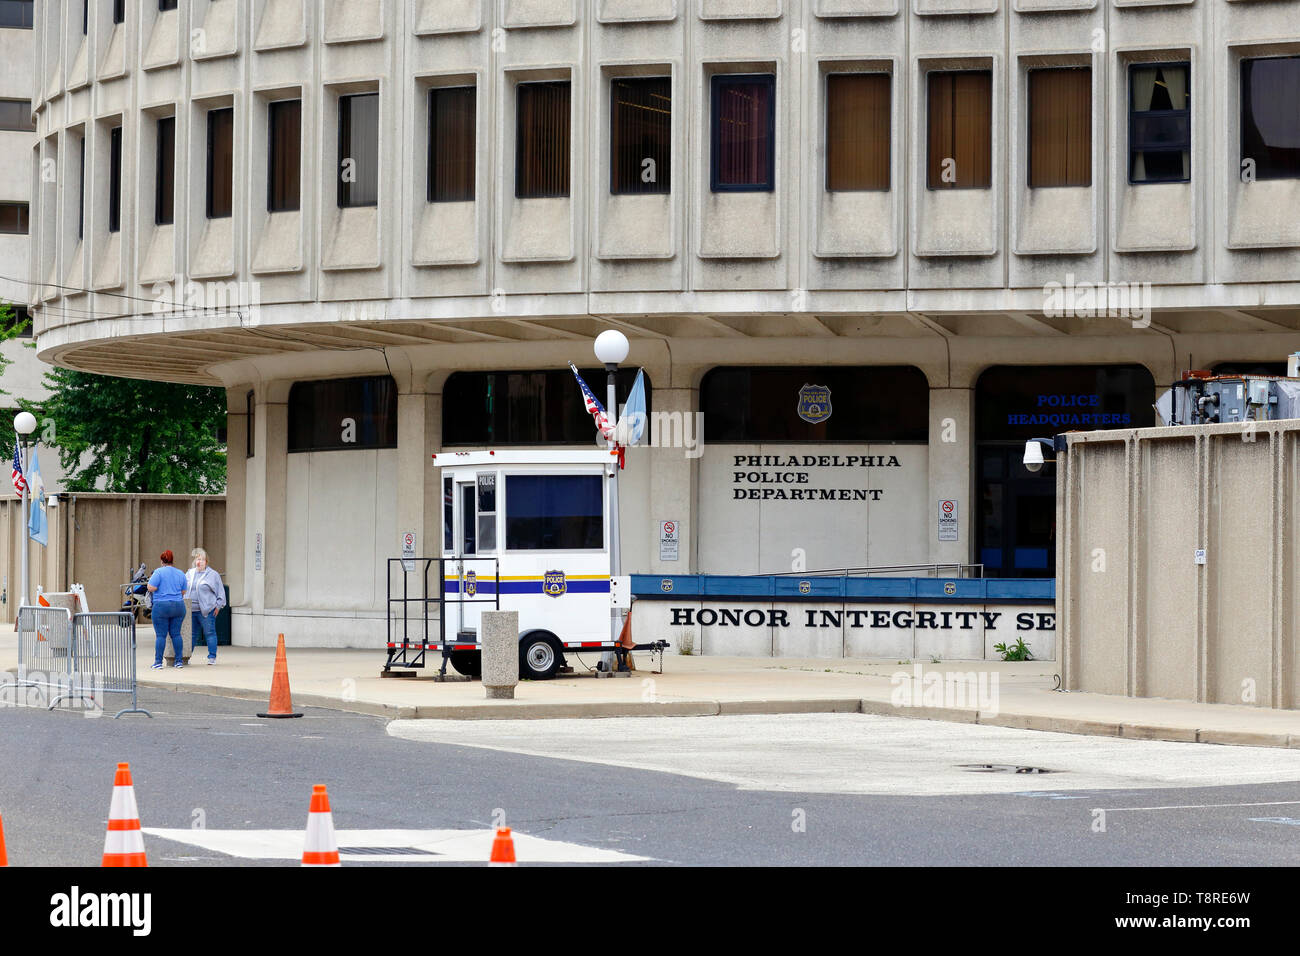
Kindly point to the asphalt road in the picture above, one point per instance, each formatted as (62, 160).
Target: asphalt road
(211, 761)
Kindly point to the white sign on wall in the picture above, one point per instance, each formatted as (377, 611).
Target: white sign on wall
(947, 519)
(408, 551)
(669, 535)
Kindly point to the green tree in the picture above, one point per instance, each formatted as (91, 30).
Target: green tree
(10, 327)
(143, 437)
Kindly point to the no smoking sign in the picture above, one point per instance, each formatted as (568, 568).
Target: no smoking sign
(947, 519)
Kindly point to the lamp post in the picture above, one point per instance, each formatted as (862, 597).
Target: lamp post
(611, 349)
(24, 425)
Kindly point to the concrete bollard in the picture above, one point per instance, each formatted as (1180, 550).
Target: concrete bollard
(500, 643)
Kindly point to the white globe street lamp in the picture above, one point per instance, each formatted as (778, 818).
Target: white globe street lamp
(611, 348)
(24, 425)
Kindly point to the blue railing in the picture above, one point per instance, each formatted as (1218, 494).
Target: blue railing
(844, 588)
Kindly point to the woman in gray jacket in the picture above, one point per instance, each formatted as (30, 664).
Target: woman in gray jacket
(203, 587)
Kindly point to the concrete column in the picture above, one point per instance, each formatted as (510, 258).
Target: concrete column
(500, 643)
(236, 493)
(951, 472)
(266, 477)
(674, 478)
(413, 467)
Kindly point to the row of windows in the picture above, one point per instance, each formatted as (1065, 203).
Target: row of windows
(959, 137)
(795, 404)
(16, 14)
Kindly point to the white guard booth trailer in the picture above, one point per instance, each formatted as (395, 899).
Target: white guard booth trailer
(526, 531)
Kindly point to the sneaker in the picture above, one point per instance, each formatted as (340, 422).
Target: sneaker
(180, 663)
(156, 667)
(211, 661)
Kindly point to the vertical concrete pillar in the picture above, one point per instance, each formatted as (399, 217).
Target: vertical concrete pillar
(413, 467)
(674, 478)
(236, 493)
(951, 472)
(266, 479)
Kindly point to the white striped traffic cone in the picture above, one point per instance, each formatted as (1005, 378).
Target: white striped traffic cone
(321, 849)
(124, 843)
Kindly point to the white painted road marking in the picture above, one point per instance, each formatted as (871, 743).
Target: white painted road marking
(865, 753)
(1207, 806)
(440, 846)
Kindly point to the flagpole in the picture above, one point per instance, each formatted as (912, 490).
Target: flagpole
(611, 348)
(24, 425)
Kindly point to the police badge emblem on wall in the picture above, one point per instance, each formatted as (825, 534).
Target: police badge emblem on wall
(471, 583)
(814, 403)
(553, 583)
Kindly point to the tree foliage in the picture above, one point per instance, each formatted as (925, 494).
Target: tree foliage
(143, 437)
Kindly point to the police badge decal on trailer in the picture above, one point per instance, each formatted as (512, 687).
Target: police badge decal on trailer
(814, 403)
(471, 583)
(553, 584)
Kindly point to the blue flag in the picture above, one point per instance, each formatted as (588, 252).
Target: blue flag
(37, 527)
(634, 412)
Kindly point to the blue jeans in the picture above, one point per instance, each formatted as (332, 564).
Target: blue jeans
(167, 619)
(208, 625)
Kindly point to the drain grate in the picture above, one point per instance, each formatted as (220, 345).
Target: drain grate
(1002, 768)
(383, 851)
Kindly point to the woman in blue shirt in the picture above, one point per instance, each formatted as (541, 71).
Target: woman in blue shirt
(168, 587)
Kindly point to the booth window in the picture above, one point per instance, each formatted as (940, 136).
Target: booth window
(16, 14)
(542, 140)
(16, 115)
(866, 403)
(555, 513)
(744, 134)
(640, 134)
(115, 179)
(1159, 123)
(1060, 127)
(857, 131)
(221, 163)
(526, 408)
(284, 157)
(486, 482)
(452, 124)
(341, 414)
(448, 516)
(165, 181)
(14, 218)
(1270, 116)
(358, 168)
(960, 130)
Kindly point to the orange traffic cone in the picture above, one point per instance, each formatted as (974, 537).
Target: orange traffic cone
(4, 857)
(124, 843)
(281, 702)
(321, 848)
(503, 848)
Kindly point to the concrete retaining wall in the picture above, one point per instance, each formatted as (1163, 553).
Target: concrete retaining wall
(1138, 615)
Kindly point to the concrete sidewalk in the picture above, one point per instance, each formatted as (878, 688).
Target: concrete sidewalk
(1019, 695)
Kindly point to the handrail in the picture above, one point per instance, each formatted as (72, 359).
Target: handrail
(975, 571)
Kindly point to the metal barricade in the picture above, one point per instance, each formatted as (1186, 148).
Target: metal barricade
(103, 646)
(78, 656)
(44, 635)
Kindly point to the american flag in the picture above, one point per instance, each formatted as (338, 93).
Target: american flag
(594, 408)
(20, 483)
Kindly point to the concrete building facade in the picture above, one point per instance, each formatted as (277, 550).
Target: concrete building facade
(873, 288)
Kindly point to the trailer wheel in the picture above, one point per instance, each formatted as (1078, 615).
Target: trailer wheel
(468, 663)
(539, 656)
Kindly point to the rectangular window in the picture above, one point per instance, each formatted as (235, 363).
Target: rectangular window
(448, 516)
(16, 14)
(284, 157)
(857, 131)
(1159, 123)
(640, 135)
(338, 414)
(165, 189)
(1060, 127)
(221, 163)
(452, 124)
(250, 437)
(115, 179)
(555, 513)
(16, 115)
(81, 185)
(960, 141)
(542, 140)
(119, 11)
(744, 136)
(85, 16)
(14, 218)
(358, 168)
(166, 4)
(1270, 116)
(487, 510)
(20, 320)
